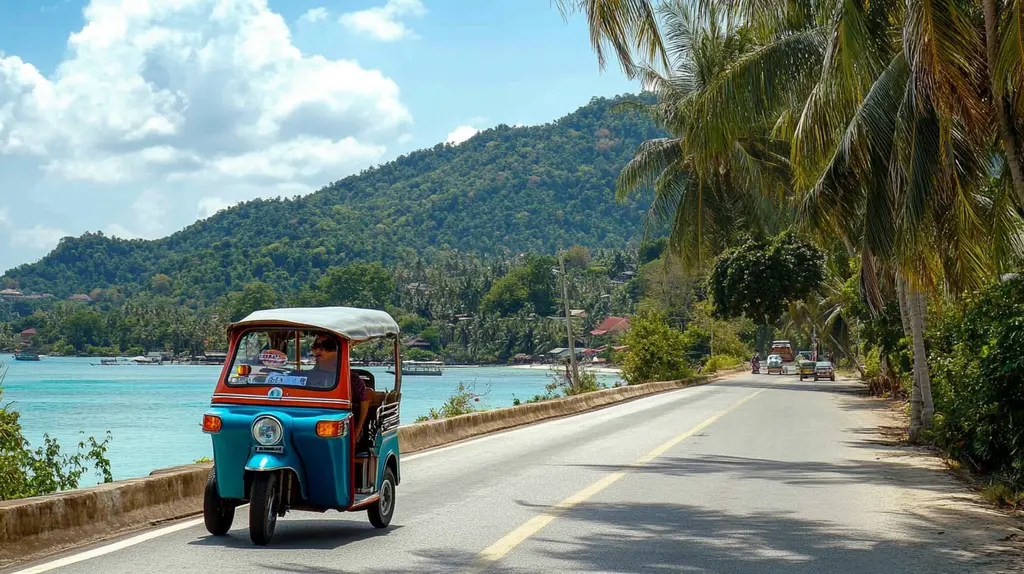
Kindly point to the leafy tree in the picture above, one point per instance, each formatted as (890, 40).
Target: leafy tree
(576, 257)
(532, 283)
(652, 250)
(255, 296)
(82, 327)
(432, 335)
(161, 284)
(759, 279)
(367, 285)
(508, 295)
(656, 351)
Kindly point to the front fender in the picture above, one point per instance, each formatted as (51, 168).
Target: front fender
(269, 462)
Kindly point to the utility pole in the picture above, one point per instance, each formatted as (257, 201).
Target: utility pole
(568, 322)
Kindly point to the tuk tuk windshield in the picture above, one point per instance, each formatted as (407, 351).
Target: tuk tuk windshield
(285, 358)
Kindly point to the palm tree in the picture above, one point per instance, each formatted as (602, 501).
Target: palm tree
(725, 168)
(890, 137)
(889, 129)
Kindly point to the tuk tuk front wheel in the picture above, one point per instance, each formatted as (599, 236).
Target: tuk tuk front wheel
(380, 514)
(263, 508)
(218, 514)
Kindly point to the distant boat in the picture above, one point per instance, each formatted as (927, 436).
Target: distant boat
(107, 363)
(140, 360)
(426, 368)
(26, 356)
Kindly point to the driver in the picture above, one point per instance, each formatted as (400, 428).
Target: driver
(325, 351)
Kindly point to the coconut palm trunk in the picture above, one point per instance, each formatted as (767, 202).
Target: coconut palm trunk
(916, 399)
(922, 409)
(1007, 131)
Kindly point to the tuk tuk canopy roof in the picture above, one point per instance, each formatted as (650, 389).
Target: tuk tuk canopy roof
(346, 322)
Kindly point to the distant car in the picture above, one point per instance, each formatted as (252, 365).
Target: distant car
(824, 370)
(774, 364)
(804, 356)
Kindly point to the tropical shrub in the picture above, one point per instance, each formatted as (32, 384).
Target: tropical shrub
(25, 472)
(977, 362)
(461, 403)
(656, 352)
(716, 363)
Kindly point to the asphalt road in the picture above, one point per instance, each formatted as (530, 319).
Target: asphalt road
(751, 474)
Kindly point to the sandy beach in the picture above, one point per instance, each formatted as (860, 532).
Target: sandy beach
(602, 370)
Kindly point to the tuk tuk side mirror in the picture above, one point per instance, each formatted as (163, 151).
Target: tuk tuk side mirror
(243, 370)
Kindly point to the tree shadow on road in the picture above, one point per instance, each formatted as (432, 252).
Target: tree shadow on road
(801, 473)
(649, 537)
(662, 537)
(792, 383)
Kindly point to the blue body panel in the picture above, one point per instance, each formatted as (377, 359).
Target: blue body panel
(387, 446)
(321, 464)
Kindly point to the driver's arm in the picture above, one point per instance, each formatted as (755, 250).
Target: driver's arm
(364, 407)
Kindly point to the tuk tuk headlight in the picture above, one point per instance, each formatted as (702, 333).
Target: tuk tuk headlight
(267, 431)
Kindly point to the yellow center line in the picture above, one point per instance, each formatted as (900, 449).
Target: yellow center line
(499, 549)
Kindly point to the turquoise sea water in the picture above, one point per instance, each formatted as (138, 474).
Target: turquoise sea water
(154, 412)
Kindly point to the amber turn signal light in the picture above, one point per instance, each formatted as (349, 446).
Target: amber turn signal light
(243, 370)
(211, 423)
(329, 429)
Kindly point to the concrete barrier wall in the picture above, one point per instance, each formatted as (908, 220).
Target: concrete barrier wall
(47, 524)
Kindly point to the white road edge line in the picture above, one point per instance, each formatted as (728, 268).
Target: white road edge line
(120, 545)
(147, 536)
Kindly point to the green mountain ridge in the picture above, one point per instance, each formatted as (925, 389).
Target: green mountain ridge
(505, 191)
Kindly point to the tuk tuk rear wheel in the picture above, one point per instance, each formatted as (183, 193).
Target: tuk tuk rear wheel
(380, 513)
(263, 508)
(218, 514)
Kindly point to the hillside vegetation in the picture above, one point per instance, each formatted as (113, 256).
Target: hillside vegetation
(505, 191)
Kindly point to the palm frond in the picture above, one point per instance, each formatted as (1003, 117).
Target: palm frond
(945, 53)
(622, 26)
(649, 163)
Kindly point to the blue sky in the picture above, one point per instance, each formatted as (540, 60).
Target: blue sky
(136, 118)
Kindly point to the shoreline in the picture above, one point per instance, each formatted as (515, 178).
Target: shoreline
(552, 367)
(532, 366)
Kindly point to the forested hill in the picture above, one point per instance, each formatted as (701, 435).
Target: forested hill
(506, 190)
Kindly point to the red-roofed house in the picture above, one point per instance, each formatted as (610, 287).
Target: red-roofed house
(611, 326)
(27, 334)
(80, 297)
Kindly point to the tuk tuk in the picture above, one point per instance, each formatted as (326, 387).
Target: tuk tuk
(295, 427)
(805, 367)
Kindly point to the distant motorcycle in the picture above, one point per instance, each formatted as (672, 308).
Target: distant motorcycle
(755, 368)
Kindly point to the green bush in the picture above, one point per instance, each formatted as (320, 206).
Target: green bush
(977, 368)
(716, 363)
(461, 403)
(656, 351)
(25, 472)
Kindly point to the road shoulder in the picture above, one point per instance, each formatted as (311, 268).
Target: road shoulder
(951, 511)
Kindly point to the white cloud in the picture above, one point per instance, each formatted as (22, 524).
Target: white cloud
(39, 237)
(314, 15)
(211, 205)
(149, 212)
(461, 134)
(384, 22)
(196, 89)
(5, 217)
